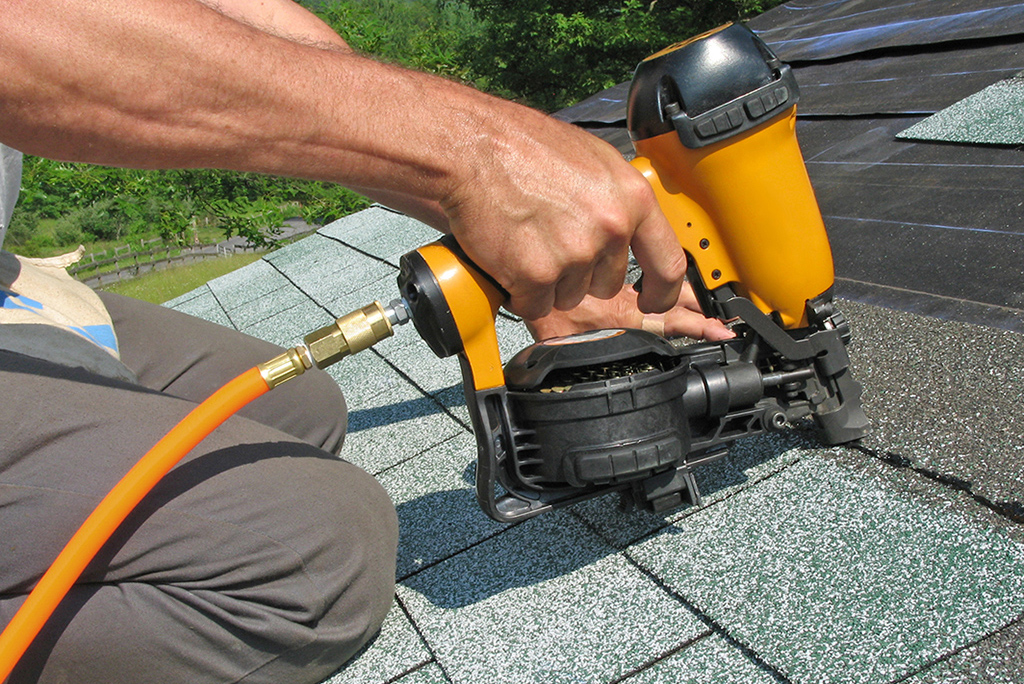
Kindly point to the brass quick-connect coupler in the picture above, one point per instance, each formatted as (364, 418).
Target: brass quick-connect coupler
(286, 366)
(352, 333)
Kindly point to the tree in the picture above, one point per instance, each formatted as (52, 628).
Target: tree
(420, 34)
(552, 53)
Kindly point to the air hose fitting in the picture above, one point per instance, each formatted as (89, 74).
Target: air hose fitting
(348, 335)
(286, 366)
(354, 332)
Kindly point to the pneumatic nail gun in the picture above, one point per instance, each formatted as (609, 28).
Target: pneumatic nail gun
(713, 123)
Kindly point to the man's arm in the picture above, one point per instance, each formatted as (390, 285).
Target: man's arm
(283, 18)
(545, 208)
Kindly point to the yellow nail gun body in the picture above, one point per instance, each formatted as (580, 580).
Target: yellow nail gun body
(713, 124)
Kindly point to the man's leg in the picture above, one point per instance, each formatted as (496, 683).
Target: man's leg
(258, 558)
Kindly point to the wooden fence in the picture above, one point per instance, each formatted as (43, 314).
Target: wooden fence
(129, 261)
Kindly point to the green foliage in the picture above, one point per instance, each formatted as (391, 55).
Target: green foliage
(23, 234)
(63, 204)
(547, 53)
(239, 216)
(553, 53)
(421, 34)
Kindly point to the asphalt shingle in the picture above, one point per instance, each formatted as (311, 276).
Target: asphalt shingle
(548, 601)
(709, 659)
(437, 511)
(944, 399)
(989, 117)
(805, 564)
(235, 290)
(289, 325)
(381, 233)
(390, 428)
(202, 303)
(832, 577)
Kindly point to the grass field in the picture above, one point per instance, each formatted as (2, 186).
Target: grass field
(160, 286)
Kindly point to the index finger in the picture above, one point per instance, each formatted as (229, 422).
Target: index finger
(659, 254)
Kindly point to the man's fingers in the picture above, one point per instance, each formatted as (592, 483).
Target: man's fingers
(663, 261)
(609, 274)
(532, 304)
(572, 287)
(693, 324)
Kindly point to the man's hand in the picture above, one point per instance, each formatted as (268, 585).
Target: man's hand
(551, 211)
(685, 318)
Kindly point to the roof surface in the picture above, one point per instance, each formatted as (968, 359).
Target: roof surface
(897, 559)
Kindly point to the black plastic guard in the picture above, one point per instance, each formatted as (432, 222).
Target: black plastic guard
(495, 441)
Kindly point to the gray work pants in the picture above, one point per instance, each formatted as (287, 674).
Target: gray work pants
(261, 557)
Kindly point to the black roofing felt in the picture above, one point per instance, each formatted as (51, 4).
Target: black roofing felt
(814, 31)
(903, 84)
(923, 226)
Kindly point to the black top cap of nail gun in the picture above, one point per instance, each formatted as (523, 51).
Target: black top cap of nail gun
(530, 368)
(709, 87)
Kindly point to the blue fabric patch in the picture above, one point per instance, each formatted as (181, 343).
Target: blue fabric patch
(100, 335)
(103, 335)
(10, 300)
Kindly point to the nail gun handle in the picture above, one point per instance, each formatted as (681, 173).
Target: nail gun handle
(453, 304)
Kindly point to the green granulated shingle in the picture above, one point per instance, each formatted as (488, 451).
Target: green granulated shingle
(545, 601)
(993, 116)
(834, 577)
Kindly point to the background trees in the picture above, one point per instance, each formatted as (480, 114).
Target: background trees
(553, 53)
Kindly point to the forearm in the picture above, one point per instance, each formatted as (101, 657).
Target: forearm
(284, 18)
(214, 92)
(287, 19)
(547, 209)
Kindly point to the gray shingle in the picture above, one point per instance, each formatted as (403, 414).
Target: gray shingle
(382, 233)
(203, 305)
(831, 576)
(325, 270)
(989, 117)
(288, 326)
(238, 288)
(428, 674)
(250, 314)
(709, 659)
(546, 601)
(437, 510)
(365, 376)
(945, 396)
(393, 427)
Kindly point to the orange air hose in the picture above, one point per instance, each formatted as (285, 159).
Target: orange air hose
(116, 506)
(348, 335)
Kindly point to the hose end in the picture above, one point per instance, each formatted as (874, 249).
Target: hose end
(286, 366)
